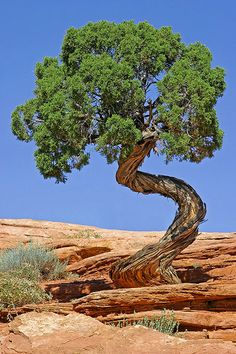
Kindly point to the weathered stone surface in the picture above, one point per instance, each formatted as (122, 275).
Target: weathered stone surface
(221, 324)
(68, 254)
(65, 290)
(91, 265)
(178, 296)
(187, 319)
(211, 256)
(225, 335)
(13, 231)
(206, 307)
(64, 308)
(48, 333)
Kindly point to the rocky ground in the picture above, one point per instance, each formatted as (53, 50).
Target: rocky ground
(77, 319)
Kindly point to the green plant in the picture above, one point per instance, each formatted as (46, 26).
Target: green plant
(26, 271)
(128, 89)
(98, 90)
(166, 323)
(21, 269)
(87, 233)
(33, 262)
(16, 291)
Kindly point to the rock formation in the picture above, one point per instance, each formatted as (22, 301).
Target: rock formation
(204, 304)
(48, 333)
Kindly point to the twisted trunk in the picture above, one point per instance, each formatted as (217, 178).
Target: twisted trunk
(152, 264)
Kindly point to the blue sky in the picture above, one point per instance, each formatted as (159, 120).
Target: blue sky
(31, 30)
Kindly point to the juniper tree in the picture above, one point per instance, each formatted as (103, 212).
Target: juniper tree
(128, 89)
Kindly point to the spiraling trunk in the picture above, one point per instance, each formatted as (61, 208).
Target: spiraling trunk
(152, 264)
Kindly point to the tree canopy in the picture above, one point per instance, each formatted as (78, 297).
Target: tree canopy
(112, 83)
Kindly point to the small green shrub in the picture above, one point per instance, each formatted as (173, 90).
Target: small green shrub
(87, 234)
(26, 271)
(166, 323)
(21, 270)
(15, 291)
(33, 262)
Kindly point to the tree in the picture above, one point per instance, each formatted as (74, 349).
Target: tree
(129, 89)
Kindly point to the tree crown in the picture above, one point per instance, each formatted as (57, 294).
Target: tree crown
(113, 83)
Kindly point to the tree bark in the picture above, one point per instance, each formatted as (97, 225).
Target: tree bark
(152, 264)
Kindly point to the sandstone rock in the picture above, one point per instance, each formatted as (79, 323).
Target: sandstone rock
(65, 290)
(68, 254)
(187, 319)
(97, 264)
(211, 256)
(38, 324)
(225, 335)
(14, 231)
(209, 264)
(178, 296)
(228, 335)
(50, 333)
(64, 308)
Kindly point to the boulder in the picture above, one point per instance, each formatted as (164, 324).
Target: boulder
(48, 333)
(205, 296)
(204, 304)
(190, 320)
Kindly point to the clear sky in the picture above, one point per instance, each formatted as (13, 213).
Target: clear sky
(32, 29)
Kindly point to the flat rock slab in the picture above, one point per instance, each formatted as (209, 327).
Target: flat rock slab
(90, 251)
(205, 301)
(187, 319)
(210, 296)
(47, 333)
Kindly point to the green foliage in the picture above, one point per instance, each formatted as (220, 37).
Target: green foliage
(21, 270)
(119, 137)
(25, 270)
(16, 290)
(110, 83)
(33, 262)
(166, 323)
(189, 92)
(87, 234)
